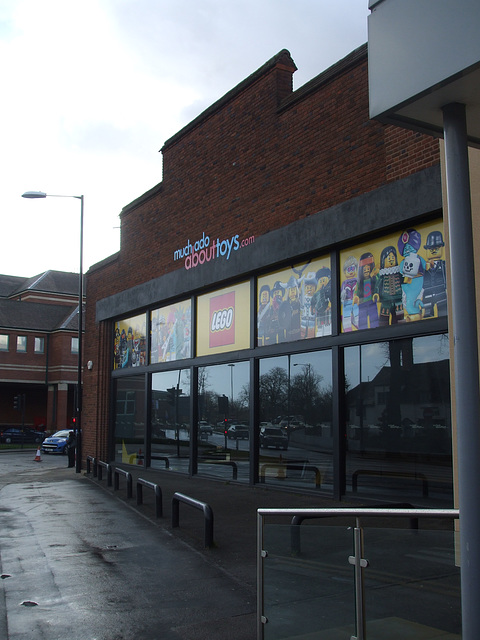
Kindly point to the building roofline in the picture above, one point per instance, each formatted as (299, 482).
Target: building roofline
(282, 59)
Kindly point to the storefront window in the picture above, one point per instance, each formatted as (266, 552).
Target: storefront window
(395, 279)
(296, 438)
(171, 333)
(224, 433)
(223, 320)
(130, 420)
(129, 346)
(398, 425)
(170, 420)
(295, 303)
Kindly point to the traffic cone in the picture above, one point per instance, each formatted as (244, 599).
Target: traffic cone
(38, 457)
(139, 458)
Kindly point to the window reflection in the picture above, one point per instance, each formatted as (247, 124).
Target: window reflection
(398, 418)
(130, 420)
(223, 430)
(170, 420)
(296, 439)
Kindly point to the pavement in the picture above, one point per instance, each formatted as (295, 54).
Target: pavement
(81, 560)
(234, 509)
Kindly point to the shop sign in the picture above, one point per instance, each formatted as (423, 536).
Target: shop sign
(205, 250)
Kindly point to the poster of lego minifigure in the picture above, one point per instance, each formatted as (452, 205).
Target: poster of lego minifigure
(171, 329)
(223, 320)
(295, 303)
(129, 343)
(398, 278)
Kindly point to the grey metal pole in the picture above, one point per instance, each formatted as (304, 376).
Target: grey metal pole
(78, 412)
(464, 332)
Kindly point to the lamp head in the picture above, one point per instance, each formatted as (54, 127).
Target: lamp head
(34, 194)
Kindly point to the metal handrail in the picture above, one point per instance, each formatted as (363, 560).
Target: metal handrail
(358, 561)
(197, 504)
(158, 495)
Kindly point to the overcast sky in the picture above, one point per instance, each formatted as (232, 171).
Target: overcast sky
(92, 89)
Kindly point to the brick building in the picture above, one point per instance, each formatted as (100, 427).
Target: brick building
(39, 349)
(283, 286)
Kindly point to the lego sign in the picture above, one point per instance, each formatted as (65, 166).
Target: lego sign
(222, 320)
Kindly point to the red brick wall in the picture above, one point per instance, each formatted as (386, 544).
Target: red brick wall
(246, 169)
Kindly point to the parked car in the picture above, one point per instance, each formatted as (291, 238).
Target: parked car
(15, 434)
(238, 431)
(273, 437)
(56, 443)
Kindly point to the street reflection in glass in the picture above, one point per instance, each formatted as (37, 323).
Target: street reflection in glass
(170, 420)
(130, 420)
(295, 430)
(224, 433)
(398, 424)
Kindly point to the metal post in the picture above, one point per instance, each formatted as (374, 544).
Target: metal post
(464, 331)
(78, 412)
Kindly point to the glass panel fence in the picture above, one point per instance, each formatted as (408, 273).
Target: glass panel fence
(408, 586)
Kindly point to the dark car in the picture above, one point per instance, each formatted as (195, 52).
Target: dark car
(273, 437)
(238, 431)
(56, 443)
(16, 435)
(204, 429)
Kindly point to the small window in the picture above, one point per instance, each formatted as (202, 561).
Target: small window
(22, 344)
(39, 345)
(74, 346)
(3, 342)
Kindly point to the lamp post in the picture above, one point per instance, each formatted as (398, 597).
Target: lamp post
(78, 408)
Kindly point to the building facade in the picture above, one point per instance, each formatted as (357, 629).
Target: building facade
(277, 313)
(38, 350)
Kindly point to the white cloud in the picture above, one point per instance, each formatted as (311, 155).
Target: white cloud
(92, 89)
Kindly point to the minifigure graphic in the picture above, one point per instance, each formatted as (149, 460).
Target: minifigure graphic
(364, 291)
(389, 288)
(289, 312)
(309, 287)
(264, 316)
(350, 269)
(412, 268)
(277, 332)
(435, 278)
(321, 303)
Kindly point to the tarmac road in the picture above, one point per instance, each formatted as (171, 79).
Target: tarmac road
(78, 564)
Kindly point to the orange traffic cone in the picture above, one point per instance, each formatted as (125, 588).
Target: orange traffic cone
(38, 457)
(140, 458)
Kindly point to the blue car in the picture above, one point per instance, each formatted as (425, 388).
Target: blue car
(56, 443)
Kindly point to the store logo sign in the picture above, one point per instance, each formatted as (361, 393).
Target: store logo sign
(205, 250)
(222, 320)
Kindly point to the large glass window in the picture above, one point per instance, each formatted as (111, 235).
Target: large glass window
(21, 344)
(130, 420)
(223, 320)
(295, 303)
(296, 439)
(394, 279)
(130, 343)
(224, 434)
(170, 420)
(3, 342)
(171, 331)
(398, 425)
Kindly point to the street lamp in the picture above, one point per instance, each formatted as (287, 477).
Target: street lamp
(231, 383)
(78, 408)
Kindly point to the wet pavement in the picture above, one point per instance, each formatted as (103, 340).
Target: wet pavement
(81, 560)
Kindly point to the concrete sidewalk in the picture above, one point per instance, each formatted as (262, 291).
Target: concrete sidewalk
(234, 507)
